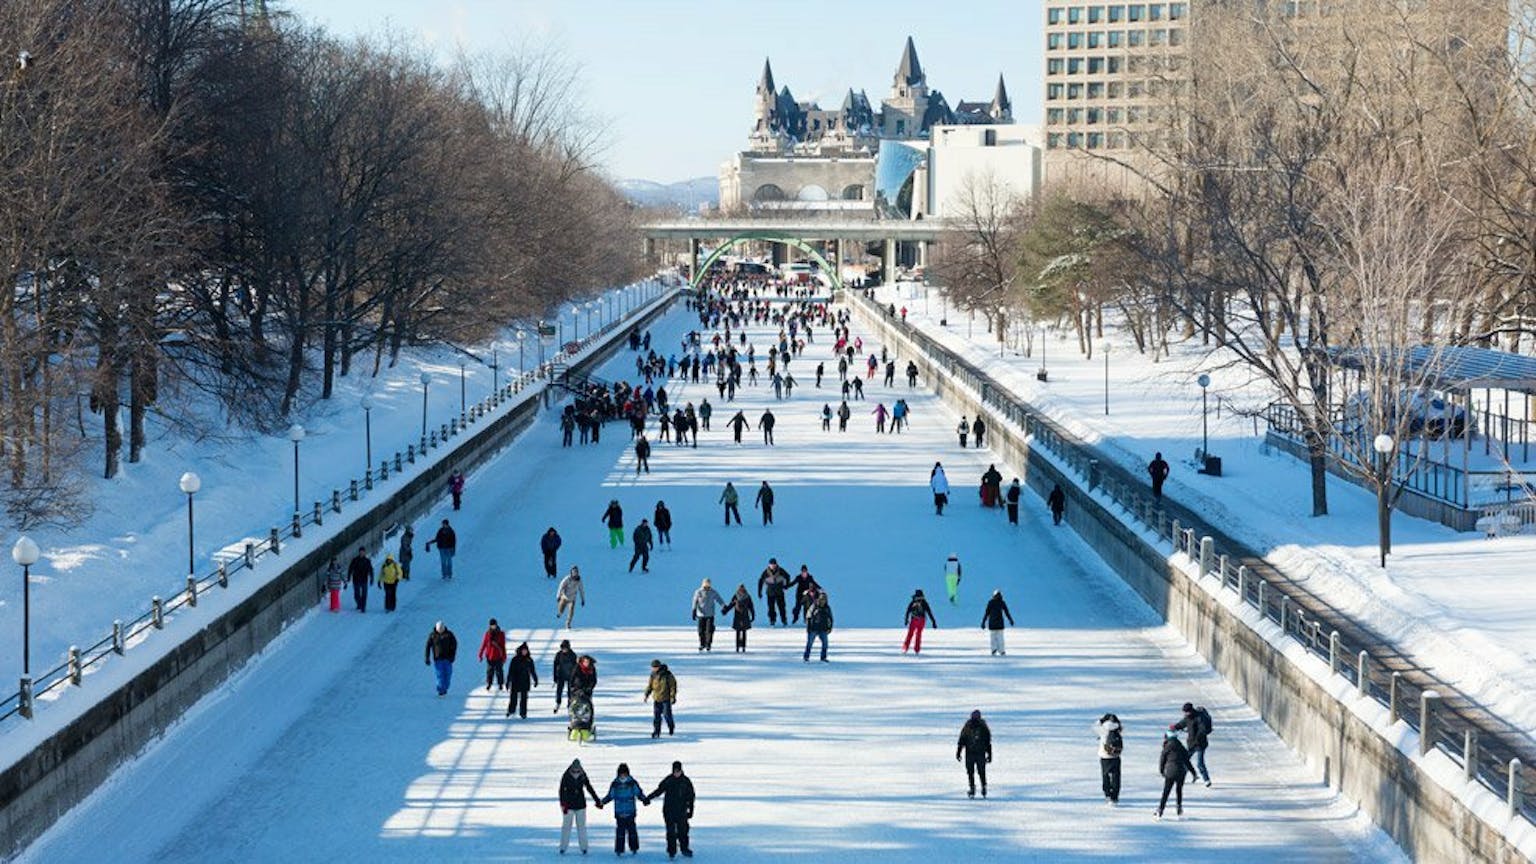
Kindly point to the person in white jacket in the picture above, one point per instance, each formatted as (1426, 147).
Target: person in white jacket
(570, 591)
(940, 486)
(1111, 743)
(706, 601)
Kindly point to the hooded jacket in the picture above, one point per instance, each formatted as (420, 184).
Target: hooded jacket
(623, 792)
(1104, 727)
(572, 784)
(520, 671)
(564, 664)
(442, 646)
(571, 589)
(705, 601)
(493, 645)
(1173, 762)
(919, 609)
(678, 790)
(975, 739)
(662, 686)
(997, 610)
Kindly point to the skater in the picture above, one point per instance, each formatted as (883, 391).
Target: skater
(560, 670)
(1157, 469)
(643, 541)
(613, 517)
(1011, 499)
(442, 648)
(360, 574)
(676, 809)
(493, 652)
(911, 373)
(826, 417)
(705, 409)
(940, 486)
(1111, 745)
(918, 613)
(661, 690)
(979, 429)
(407, 551)
(622, 792)
(890, 371)
(1196, 727)
(730, 499)
(663, 522)
(389, 580)
(764, 502)
(447, 544)
(742, 615)
(738, 424)
(964, 429)
(880, 413)
(549, 544)
(991, 487)
(1173, 764)
(975, 747)
(642, 455)
(818, 623)
(575, 786)
(843, 413)
(705, 601)
(765, 423)
(775, 579)
(806, 589)
(334, 579)
(456, 488)
(520, 675)
(820, 371)
(567, 593)
(1057, 501)
(567, 426)
(992, 622)
(952, 575)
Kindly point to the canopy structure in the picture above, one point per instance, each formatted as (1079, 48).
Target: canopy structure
(1457, 367)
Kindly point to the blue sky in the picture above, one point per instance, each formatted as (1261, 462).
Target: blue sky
(672, 80)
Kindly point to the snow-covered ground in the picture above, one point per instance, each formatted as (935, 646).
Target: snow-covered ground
(1462, 605)
(134, 545)
(333, 745)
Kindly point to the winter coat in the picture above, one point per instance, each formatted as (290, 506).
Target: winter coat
(939, 483)
(1057, 500)
(442, 646)
(613, 517)
(743, 613)
(549, 544)
(334, 577)
(564, 664)
(572, 784)
(360, 571)
(390, 572)
(705, 601)
(643, 448)
(765, 421)
(997, 610)
(446, 539)
(678, 805)
(775, 579)
(1173, 762)
(919, 609)
(662, 686)
(1013, 493)
(1104, 727)
(642, 537)
(978, 427)
(729, 496)
(623, 792)
(819, 619)
(493, 645)
(572, 590)
(407, 541)
(584, 679)
(663, 518)
(805, 584)
(764, 496)
(975, 740)
(1196, 727)
(520, 672)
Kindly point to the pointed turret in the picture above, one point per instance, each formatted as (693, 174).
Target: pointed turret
(909, 71)
(1001, 109)
(765, 83)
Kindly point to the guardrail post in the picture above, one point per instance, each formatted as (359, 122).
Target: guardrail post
(1285, 603)
(76, 669)
(1207, 552)
(367, 484)
(1221, 567)
(1392, 714)
(384, 468)
(1333, 653)
(1263, 598)
(398, 469)
(432, 438)
(223, 575)
(297, 526)
(336, 500)
(444, 436)
(274, 542)
(410, 451)
(24, 700)
(1242, 583)
(117, 638)
(1469, 754)
(1363, 674)
(1427, 701)
(1093, 474)
(157, 612)
(250, 554)
(1513, 797)
(1189, 542)
(319, 511)
(1175, 532)
(191, 590)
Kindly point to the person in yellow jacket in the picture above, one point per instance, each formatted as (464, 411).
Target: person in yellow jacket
(390, 576)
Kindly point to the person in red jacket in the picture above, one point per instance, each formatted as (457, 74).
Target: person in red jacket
(493, 650)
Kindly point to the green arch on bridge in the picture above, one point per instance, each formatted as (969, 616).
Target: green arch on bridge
(768, 237)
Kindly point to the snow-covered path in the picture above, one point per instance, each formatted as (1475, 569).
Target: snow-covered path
(333, 746)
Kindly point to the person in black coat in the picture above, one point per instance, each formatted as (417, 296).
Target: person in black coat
(663, 524)
(676, 809)
(549, 544)
(979, 429)
(1196, 726)
(575, 786)
(643, 543)
(992, 621)
(520, 673)
(1158, 470)
(743, 614)
(1057, 501)
(442, 649)
(775, 579)
(975, 747)
(1011, 498)
(806, 588)
(764, 502)
(918, 614)
(1173, 764)
(360, 574)
(642, 455)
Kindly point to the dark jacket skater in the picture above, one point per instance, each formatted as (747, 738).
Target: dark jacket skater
(918, 611)
(676, 809)
(521, 677)
(643, 543)
(561, 668)
(742, 615)
(775, 579)
(1057, 501)
(360, 574)
(1158, 470)
(764, 502)
(1173, 764)
(992, 621)
(549, 544)
(662, 520)
(975, 748)
(806, 588)
(1011, 498)
(575, 786)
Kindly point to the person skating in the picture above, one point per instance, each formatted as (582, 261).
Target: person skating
(991, 487)
(389, 580)
(360, 574)
(456, 488)
(979, 429)
(1057, 501)
(560, 670)
(663, 523)
(407, 551)
(880, 413)
(765, 423)
(918, 614)
(964, 429)
(335, 578)
(975, 748)
(806, 589)
(1111, 745)
(661, 690)
(742, 615)
(575, 786)
(843, 413)
(705, 409)
(826, 417)
(820, 371)
(939, 484)
(952, 575)
(1158, 470)
(818, 624)
(775, 580)
(738, 424)
(447, 543)
(1173, 764)
(642, 455)
(764, 502)
(613, 517)
(442, 648)
(623, 792)
(493, 652)
(705, 601)
(992, 621)
(911, 373)
(1011, 499)
(521, 678)
(549, 544)
(1196, 726)
(676, 792)
(567, 593)
(643, 541)
(730, 498)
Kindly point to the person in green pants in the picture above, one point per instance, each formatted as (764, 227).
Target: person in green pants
(952, 578)
(613, 517)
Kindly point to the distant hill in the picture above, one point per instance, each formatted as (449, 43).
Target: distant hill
(683, 195)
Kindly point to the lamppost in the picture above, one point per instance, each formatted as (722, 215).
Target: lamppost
(367, 404)
(26, 553)
(1104, 347)
(426, 382)
(296, 434)
(189, 484)
(1205, 442)
(521, 334)
(1383, 445)
(495, 371)
(461, 388)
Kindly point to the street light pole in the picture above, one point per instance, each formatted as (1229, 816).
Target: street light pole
(1383, 445)
(26, 553)
(461, 388)
(1205, 442)
(190, 483)
(367, 432)
(520, 336)
(426, 382)
(1104, 347)
(495, 371)
(296, 434)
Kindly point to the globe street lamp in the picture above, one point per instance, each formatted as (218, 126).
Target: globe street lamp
(296, 434)
(1205, 442)
(426, 383)
(367, 404)
(189, 484)
(1104, 348)
(1383, 445)
(26, 553)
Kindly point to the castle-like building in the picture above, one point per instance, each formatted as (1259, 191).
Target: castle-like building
(804, 157)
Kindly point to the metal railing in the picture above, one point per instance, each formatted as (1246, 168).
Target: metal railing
(125, 634)
(1491, 763)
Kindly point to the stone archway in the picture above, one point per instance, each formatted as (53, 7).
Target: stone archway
(827, 267)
